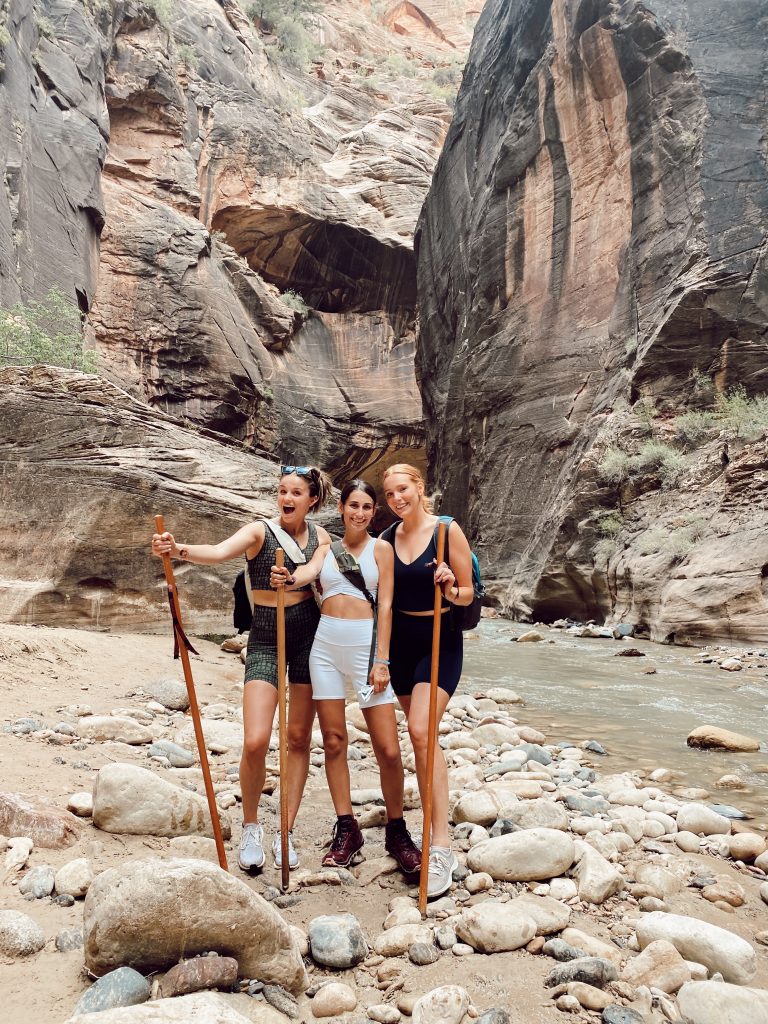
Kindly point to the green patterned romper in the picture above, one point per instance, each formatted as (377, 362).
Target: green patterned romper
(300, 620)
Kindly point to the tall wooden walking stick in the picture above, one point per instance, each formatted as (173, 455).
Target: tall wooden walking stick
(182, 647)
(431, 729)
(282, 727)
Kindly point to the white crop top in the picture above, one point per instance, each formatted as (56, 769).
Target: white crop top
(334, 582)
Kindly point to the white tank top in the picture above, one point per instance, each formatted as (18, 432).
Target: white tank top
(334, 582)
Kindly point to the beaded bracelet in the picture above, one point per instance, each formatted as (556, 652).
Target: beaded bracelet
(381, 661)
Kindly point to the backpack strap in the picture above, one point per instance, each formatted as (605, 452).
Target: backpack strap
(447, 520)
(389, 534)
(356, 578)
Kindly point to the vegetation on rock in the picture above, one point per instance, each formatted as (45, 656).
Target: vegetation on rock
(47, 332)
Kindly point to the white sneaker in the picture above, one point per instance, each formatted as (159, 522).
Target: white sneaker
(293, 857)
(251, 856)
(442, 864)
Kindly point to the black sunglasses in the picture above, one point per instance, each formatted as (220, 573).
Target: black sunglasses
(298, 470)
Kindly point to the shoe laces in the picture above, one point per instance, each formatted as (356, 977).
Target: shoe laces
(439, 859)
(340, 829)
(252, 836)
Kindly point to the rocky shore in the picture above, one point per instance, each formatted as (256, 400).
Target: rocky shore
(583, 894)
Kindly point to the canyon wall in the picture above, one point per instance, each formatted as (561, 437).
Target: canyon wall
(593, 267)
(235, 223)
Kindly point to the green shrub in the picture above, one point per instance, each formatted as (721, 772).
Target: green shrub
(655, 456)
(186, 55)
(293, 23)
(609, 524)
(660, 540)
(614, 466)
(48, 332)
(745, 417)
(5, 37)
(399, 66)
(603, 551)
(162, 10)
(44, 26)
(692, 428)
(294, 300)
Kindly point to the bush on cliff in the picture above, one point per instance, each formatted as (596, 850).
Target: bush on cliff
(293, 23)
(48, 332)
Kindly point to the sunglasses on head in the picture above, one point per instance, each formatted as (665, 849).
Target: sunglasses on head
(298, 470)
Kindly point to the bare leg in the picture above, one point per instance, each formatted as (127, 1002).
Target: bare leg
(259, 703)
(417, 710)
(335, 743)
(386, 746)
(301, 715)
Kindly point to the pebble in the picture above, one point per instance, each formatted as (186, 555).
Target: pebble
(615, 1014)
(562, 951)
(123, 987)
(171, 693)
(178, 757)
(588, 996)
(591, 970)
(462, 949)
(69, 939)
(423, 953)
(444, 1005)
(81, 804)
(332, 999)
(568, 1003)
(74, 878)
(495, 1016)
(445, 937)
(283, 1001)
(201, 972)
(384, 1013)
(337, 940)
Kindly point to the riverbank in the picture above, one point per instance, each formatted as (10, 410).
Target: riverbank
(52, 682)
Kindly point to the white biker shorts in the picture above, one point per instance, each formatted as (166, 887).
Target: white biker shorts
(340, 653)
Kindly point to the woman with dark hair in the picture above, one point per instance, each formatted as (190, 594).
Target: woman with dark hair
(302, 489)
(344, 650)
(416, 573)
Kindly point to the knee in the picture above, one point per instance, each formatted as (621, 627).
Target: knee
(388, 756)
(256, 746)
(335, 744)
(299, 739)
(417, 730)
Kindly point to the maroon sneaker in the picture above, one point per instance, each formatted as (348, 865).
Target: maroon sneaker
(398, 844)
(346, 843)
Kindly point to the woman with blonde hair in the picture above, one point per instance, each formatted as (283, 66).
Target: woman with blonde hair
(416, 573)
(302, 489)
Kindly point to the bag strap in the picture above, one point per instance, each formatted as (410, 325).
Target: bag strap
(286, 542)
(248, 588)
(356, 578)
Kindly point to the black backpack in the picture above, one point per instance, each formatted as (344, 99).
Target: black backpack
(464, 616)
(243, 612)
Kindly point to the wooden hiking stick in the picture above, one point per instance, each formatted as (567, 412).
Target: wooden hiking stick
(282, 726)
(182, 646)
(431, 729)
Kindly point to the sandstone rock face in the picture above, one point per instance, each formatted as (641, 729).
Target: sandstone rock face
(583, 248)
(146, 913)
(129, 800)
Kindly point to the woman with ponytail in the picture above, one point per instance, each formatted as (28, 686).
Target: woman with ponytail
(301, 490)
(351, 646)
(416, 573)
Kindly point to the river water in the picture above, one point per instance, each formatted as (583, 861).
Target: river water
(574, 688)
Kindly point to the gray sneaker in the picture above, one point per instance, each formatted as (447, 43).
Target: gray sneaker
(293, 857)
(442, 864)
(251, 856)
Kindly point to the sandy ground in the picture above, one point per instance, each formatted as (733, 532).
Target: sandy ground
(57, 675)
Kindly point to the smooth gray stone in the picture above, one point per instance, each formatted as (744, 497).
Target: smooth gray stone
(589, 805)
(423, 953)
(595, 747)
(592, 970)
(281, 1000)
(38, 882)
(24, 726)
(562, 951)
(495, 1016)
(728, 811)
(502, 827)
(615, 1014)
(69, 939)
(536, 752)
(179, 757)
(337, 940)
(123, 987)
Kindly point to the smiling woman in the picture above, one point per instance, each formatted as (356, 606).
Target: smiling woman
(302, 489)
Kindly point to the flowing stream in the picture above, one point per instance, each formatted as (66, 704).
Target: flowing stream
(575, 689)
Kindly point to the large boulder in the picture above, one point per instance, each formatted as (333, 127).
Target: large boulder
(493, 927)
(129, 800)
(200, 1008)
(43, 823)
(716, 1002)
(712, 737)
(704, 943)
(151, 914)
(530, 855)
(20, 936)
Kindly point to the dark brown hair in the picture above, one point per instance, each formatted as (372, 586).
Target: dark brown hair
(357, 485)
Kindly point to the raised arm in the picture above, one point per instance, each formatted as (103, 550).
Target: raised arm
(249, 537)
(455, 579)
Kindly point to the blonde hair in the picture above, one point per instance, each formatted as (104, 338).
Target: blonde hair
(410, 471)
